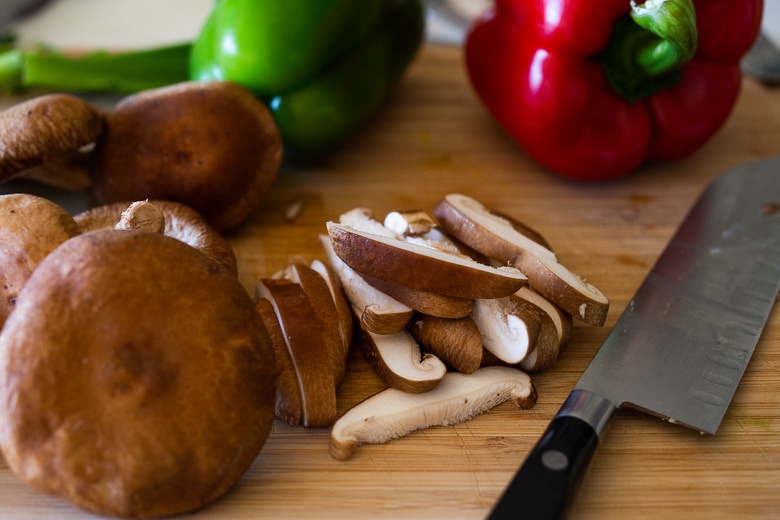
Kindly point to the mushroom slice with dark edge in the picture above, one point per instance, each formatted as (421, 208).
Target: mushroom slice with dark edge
(399, 362)
(325, 313)
(457, 342)
(391, 413)
(31, 227)
(288, 396)
(363, 219)
(136, 379)
(425, 302)
(307, 350)
(342, 305)
(421, 268)
(378, 312)
(499, 239)
(181, 222)
(48, 128)
(210, 145)
(554, 332)
(509, 327)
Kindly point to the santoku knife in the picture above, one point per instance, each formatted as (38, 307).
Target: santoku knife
(680, 348)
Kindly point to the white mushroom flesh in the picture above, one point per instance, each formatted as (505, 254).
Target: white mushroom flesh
(391, 414)
(505, 334)
(389, 315)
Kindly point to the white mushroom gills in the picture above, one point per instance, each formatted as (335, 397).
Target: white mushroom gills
(391, 413)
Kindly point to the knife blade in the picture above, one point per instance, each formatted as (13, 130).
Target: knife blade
(681, 346)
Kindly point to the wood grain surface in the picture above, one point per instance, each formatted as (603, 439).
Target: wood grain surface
(431, 138)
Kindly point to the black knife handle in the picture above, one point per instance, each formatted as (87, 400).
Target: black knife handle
(546, 483)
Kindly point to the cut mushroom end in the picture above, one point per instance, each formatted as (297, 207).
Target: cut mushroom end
(181, 222)
(409, 223)
(142, 215)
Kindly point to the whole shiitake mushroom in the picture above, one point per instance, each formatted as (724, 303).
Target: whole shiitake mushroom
(41, 139)
(30, 228)
(136, 378)
(212, 146)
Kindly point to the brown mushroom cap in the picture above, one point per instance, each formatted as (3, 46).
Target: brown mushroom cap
(30, 228)
(181, 222)
(136, 379)
(45, 128)
(210, 145)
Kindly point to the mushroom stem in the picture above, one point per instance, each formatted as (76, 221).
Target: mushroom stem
(142, 215)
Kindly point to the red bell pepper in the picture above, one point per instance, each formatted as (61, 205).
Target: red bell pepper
(550, 72)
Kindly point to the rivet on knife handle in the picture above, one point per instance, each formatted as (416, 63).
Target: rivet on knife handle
(546, 484)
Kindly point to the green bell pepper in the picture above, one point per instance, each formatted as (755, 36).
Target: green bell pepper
(322, 66)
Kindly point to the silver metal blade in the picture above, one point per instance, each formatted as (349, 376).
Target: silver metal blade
(680, 348)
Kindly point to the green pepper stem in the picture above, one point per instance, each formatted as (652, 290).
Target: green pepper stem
(98, 71)
(648, 48)
(674, 22)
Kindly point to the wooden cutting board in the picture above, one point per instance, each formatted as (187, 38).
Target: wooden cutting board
(431, 138)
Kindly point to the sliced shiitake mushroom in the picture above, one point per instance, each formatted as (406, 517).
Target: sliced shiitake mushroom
(554, 331)
(509, 327)
(421, 268)
(288, 405)
(399, 361)
(392, 413)
(429, 303)
(503, 241)
(457, 342)
(342, 304)
(307, 349)
(325, 315)
(377, 311)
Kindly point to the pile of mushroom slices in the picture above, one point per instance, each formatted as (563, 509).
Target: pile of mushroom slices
(451, 313)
